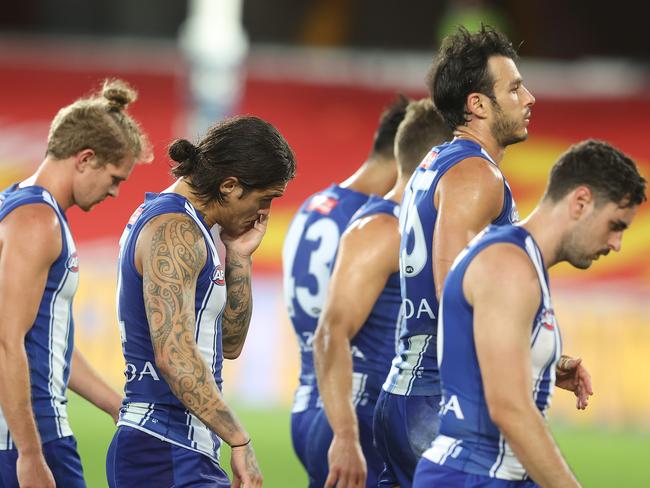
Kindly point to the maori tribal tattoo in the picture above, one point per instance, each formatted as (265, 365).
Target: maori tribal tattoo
(237, 315)
(171, 264)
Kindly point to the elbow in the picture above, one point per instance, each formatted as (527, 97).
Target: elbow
(505, 411)
(321, 339)
(232, 354)
(162, 362)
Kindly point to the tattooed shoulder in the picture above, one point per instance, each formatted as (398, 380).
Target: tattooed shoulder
(172, 258)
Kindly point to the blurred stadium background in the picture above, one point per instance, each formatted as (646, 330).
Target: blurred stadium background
(321, 71)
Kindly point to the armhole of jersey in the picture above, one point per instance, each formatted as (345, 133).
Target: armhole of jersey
(43, 201)
(466, 265)
(504, 203)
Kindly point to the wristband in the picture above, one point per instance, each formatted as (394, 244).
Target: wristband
(242, 445)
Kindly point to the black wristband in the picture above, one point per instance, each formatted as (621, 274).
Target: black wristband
(242, 445)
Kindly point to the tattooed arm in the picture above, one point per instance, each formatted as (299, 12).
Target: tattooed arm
(171, 252)
(239, 306)
(237, 315)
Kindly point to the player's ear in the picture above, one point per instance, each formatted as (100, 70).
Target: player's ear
(476, 105)
(230, 187)
(581, 200)
(84, 159)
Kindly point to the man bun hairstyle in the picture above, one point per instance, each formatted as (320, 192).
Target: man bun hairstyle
(183, 152)
(245, 147)
(461, 68)
(100, 122)
(118, 94)
(611, 175)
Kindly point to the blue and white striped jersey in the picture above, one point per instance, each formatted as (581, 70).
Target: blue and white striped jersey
(307, 258)
(374, 345)
(415, 368)
(468, 440)
(50, 341)
(150, 406)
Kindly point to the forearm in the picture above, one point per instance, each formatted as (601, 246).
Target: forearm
(239, 304)
(15, 398)
(191, 381)
(85, 381)
(532, 442)
(333, 361)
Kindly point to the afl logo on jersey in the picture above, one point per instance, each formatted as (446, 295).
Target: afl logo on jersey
(218, 275)
(73, 263)
(548, 319)
(514, 214)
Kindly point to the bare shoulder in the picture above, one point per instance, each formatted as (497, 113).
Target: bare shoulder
(475, 171)
(502, 269)
(372, 235)
(174, 237)
(34, 229)
(473, 185)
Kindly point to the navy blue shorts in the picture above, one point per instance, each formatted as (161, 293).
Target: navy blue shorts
(319, 438)
(429, 474)
(61, 457)
(300, 424)
(404, 427)
(136, 459)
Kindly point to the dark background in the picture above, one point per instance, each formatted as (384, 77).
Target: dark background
(549, 28)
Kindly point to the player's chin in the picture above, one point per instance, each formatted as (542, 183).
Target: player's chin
(584, 263)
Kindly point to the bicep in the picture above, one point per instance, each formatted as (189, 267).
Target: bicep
(503, 316)
(29, 248)
(467, 200)
(173, 252)
(363, 265)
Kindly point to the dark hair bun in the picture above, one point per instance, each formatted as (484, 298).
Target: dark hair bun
(118, 94)
(184, 153)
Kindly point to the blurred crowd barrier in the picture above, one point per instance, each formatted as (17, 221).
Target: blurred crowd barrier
(604, 313)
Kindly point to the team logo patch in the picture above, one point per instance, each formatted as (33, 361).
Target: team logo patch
(322, 204)
(73, 263)
(429, 159)
(548, 319)
(218, 275)
(136, 214)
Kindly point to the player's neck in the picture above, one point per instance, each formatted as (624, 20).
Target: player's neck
(182, 188)
(545, 225)
(51, 175)
(397, 192)
(483, 138)
(373, 177)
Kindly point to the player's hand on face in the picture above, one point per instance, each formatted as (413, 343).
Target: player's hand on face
(248, 242)
(573, 376)
(33, 472)
(347, 466)
(244, 467)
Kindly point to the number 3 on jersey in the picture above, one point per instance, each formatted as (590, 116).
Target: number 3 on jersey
(325, 234)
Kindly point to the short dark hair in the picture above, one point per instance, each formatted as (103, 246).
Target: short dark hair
(384, 142)
(421, 129)
(245, 147)
(461, 68)
(611, 175)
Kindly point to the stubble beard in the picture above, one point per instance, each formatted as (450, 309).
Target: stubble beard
(506, 131)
